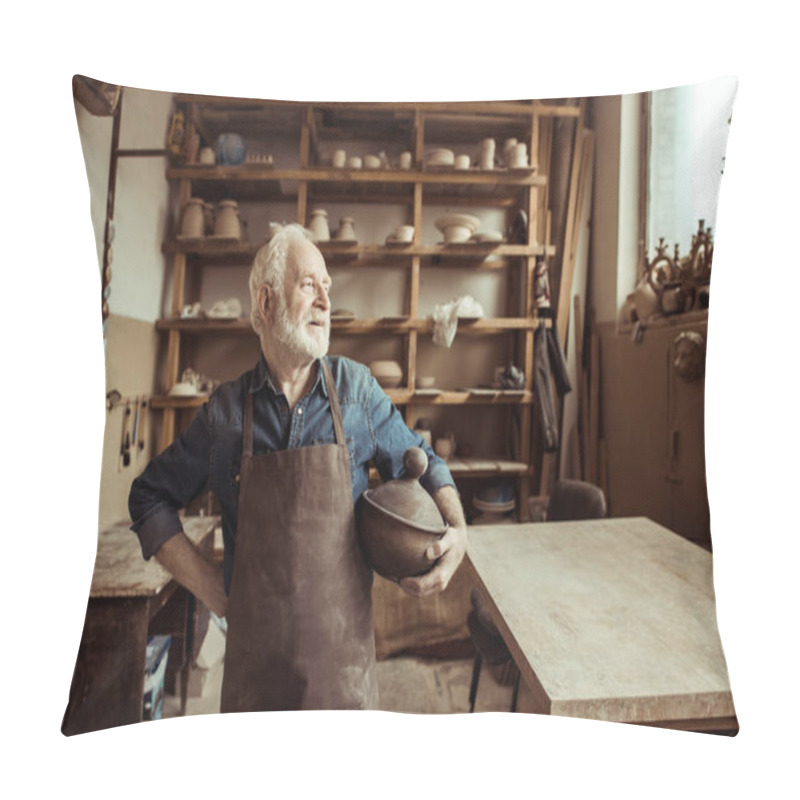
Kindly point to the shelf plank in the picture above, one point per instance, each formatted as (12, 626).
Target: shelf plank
(474, 251)
(259, 173)
(397, 396)
(488, 325)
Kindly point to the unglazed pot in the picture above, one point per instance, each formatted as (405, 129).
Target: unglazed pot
(193, 222)
(319, 225)
(227, 222)
(398, 521)
(347, 230)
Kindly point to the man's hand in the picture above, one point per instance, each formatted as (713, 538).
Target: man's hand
(449, 551)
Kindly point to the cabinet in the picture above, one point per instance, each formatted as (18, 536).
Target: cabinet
(391, 288)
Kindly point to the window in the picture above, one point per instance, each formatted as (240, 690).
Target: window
(688, 133)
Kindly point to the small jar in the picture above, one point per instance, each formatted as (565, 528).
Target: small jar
(193, 222)
(227, 223)
(347, 231)
(318, 225)
(487, 154)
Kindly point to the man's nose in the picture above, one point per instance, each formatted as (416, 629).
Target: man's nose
(323, 301)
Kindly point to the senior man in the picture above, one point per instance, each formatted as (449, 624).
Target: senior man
(286, 449)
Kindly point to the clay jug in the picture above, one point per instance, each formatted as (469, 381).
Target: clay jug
(227, 222)
(193, 223)
(319, 225)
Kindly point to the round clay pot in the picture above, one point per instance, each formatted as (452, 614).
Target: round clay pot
(398, 521)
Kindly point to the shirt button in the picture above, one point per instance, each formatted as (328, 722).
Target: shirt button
(299, 410)
(238, 478)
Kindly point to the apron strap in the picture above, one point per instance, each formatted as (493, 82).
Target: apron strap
(336, 410)
(247, 424)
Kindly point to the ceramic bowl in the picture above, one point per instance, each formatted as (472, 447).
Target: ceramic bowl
(426, 381)
(183, 389)
(463, 220)
(441, 157)
(389, 374)
(372, 162)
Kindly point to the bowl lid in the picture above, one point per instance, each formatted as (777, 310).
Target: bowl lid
(405, 499)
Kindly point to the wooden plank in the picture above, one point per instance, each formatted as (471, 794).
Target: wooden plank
(253, 173)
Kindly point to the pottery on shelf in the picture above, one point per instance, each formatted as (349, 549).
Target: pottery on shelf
(440, 157)
(319, 225)
(193, 223)
(227, 222)
(230, 149)
(347, 230)
(457, 227)
(389, 374)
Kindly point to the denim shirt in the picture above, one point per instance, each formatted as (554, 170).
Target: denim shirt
(207, 455)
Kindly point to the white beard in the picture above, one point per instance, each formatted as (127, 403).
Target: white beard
(296, 338)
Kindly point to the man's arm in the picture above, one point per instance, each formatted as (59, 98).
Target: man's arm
(449, 550)
(203, 578)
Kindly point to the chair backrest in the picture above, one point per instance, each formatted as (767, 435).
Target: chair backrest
(572, 499)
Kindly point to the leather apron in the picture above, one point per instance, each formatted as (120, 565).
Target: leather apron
(300, 631)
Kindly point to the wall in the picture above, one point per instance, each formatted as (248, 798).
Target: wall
(614, 245)
(141, 203)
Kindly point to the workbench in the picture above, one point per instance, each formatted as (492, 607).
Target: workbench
(129, 599)
(611, 619)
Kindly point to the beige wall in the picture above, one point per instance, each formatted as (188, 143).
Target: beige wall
(131, 352)
(141, 203)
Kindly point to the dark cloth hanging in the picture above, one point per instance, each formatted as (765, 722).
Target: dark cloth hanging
(548, 359)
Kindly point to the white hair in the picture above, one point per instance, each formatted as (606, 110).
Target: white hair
(269, 266)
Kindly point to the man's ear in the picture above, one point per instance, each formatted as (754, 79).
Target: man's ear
(265, 300)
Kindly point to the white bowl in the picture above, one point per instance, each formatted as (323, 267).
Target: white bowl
(464, 220)
(426, 381)
(372, 162)
(454, 234)
(183, 389)
(441, 157)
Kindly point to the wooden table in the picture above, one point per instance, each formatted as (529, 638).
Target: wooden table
(129, 599)
(610, 619)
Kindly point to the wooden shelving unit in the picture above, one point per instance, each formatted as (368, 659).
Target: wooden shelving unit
(308, 129)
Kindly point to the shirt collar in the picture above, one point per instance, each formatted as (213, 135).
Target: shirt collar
(261, 378)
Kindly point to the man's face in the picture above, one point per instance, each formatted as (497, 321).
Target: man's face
(302, 322)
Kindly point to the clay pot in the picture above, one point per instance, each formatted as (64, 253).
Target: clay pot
(227, 222)
(347, 231)
(193, 222)
(319, 225)
(398, 521)
(487, 154)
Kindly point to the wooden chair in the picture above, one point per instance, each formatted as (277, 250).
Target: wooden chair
(570, 500)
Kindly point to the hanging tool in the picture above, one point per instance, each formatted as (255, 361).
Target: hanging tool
(135, 426)
(125, 446)
(143, 426)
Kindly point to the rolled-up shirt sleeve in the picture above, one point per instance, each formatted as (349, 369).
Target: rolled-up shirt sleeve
(168, 483)
(392, 437)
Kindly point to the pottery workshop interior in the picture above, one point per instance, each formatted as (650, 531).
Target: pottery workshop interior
(508, 270)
